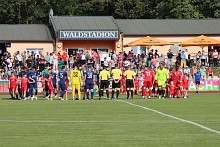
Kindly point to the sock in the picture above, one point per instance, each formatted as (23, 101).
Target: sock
(87, 95)
(132, 94)
(107, 93)
(92, 93)
(163, 93)
(159, 91)
(36, 91)
(100, 93)
(113, 94)
(144, 92)
(128, 94)
(150, 92)
(117, 93)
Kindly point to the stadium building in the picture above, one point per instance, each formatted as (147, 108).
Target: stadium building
(25, 37)
(104, 34)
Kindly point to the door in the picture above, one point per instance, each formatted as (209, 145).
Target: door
(2, 49)
(72, 51)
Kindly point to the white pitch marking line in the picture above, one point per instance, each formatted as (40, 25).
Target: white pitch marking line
(176, 118)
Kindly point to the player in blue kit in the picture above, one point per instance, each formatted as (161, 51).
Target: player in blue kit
(62, 82)
(33, 85)
(89, 78)
(197, 76)
(54, 80)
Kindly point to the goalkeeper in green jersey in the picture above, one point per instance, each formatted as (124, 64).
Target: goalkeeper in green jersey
(161, 76)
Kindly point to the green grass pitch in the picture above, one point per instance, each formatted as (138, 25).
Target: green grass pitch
(110, 122)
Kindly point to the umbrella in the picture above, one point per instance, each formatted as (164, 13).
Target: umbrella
(201, 41)
(148, 42)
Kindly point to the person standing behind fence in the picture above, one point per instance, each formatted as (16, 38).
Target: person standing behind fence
(215, 58)
(183, 60)
(170, 60)
(55, 61)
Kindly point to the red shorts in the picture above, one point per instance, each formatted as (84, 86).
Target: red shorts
(13, 88)
(172, 92)
(186, 87)
(148, 84)
(23, 89)
(51, 90)
(136, 85)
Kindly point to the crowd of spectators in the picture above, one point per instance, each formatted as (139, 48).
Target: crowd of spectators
(188, 62)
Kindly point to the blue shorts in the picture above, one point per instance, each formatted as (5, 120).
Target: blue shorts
(197, 82)
(63, 86)
(55, 85)
(35, 85)
(89, 85)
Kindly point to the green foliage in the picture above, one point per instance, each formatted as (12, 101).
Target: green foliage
(33, 11)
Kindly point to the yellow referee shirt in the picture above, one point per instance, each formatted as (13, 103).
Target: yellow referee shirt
(129, 74)
(104, 75)
(116, 74)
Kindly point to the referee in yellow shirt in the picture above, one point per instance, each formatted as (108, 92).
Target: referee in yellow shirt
(104, 83)
(75, 77)
(129, 76)
(116, 75)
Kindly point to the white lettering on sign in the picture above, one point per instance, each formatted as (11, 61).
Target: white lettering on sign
(89, 35)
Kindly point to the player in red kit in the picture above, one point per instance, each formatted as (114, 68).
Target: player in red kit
(24, 85)
(185, 85)
(179, 88)
(12, 85)
(171, 89)
(67, 85)
(176, 74)
(148, 82)
(136, 84)
(50, 87)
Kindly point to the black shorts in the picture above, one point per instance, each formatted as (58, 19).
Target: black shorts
(65, 62)
(210, 75)
(197, 82)
(116, 85)
(104, 84)
(129, 83)
(20, 63)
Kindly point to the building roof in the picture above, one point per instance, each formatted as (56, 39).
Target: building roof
(25, 32)
(83, 23)
(168, 27)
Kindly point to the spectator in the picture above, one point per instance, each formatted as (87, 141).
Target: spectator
(198, 59)
(210, 59)
(47, 58)
(215, 58)
(162, 58)
(41, 64)
(16, 63)
(55, 61)
(71, 62)
(186, 71)
(203, 58)
(29, 62)
(203, 72)
(170, 60)
(187, 57)
(183, 60)
(60, 63)
(143, 55)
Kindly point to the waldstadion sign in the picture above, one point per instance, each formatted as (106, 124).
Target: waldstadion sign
(88, 35)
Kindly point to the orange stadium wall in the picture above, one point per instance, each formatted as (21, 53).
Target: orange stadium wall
(112, 45)
(18, 46)
(174, 39)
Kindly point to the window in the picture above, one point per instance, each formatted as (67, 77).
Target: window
(142, 48)
(134, 49)
(175, 48)
(35, 51)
